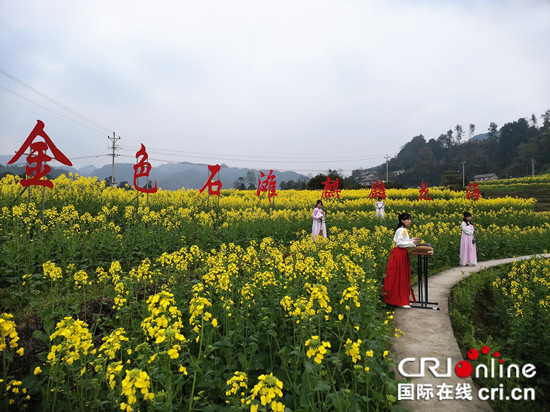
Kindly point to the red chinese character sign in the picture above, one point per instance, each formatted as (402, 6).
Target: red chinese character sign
(473, 192)
(142, 169)
(269, 185)
(378, 190)
(330, 189)
(214, 187)
(38, 157)
(424, 192)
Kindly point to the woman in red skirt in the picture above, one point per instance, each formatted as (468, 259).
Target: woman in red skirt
(397, 283)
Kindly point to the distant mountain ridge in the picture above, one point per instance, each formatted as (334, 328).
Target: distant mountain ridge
(168, 176)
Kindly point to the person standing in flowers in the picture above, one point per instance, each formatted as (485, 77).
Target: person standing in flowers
(319, 226)
(379, 208)
(397, 283)
(468, 250)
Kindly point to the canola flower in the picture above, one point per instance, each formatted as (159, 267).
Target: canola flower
(243, 281)
(165, 323)
(112, 343)
(8, 333)
(268, 389)
(74, 340)
(352, 349)
(526, 282)
(52, 271)
(135, 380)
(238, 385)
(317, 349)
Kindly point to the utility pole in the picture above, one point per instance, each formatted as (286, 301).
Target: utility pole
(533, 167)
(463, 183)
(387, 159)
(113, 155)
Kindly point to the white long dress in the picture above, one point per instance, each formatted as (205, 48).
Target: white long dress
(468, 250)
(318, 223)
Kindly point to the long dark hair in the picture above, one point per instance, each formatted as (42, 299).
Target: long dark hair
(319, 201)
(401, 217)
(467, 214)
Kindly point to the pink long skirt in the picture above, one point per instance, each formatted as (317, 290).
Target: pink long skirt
(468, 251)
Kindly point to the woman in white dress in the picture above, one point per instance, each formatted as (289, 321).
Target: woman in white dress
(379, 208)
(319, 226)
(468, 252)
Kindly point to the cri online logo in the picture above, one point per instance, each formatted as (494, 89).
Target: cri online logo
(464, 368)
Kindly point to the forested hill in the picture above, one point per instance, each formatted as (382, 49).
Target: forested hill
(507, 151)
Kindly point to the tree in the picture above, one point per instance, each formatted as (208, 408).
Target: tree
(459, 132)
(472, 130)
(492, 130)
(534, 120)
(450, 137)
(251, 180)
(239, 184)
(546, 119)
(452, 179)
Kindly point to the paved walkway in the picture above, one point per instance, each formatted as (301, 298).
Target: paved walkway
(428, 333)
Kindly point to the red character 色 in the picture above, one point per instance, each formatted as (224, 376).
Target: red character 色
(142, 169)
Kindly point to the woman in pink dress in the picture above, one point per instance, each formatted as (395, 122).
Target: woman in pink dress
(468, 251)
(319, 226)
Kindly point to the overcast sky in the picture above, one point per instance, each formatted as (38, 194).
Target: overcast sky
(289, 85)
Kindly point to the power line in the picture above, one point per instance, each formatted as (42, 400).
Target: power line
(53, 111)
(252, 158)
(61, 105)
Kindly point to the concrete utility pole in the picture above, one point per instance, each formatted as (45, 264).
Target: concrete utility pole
(387, 159)
(463, 182)
(113, 155)
(533, 167)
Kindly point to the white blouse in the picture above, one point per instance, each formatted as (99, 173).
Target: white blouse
(468, 229)
(318, 213)
(402, 239)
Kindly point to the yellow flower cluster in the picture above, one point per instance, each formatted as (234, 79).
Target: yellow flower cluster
(238, 384)
(352, 350)
(75, 338)
(135, 380)
(350, 293)
(16, 391)
(526, 282)
(9, 333)
(112, 343)
(52, 271)
(268, 389)
(165, 322)
(81, 279)
(317, 349)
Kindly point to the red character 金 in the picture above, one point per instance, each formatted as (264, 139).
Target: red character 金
(330, 189)
(38, 157)
(424, 192)
(269, 185)
(142, 169)
(209, 183)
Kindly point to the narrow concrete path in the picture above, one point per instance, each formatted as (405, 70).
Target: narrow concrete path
(428, 333)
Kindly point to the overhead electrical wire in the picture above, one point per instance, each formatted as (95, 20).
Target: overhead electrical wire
(184, 154)
(61, 105)
(50, 110)
(241, 158)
